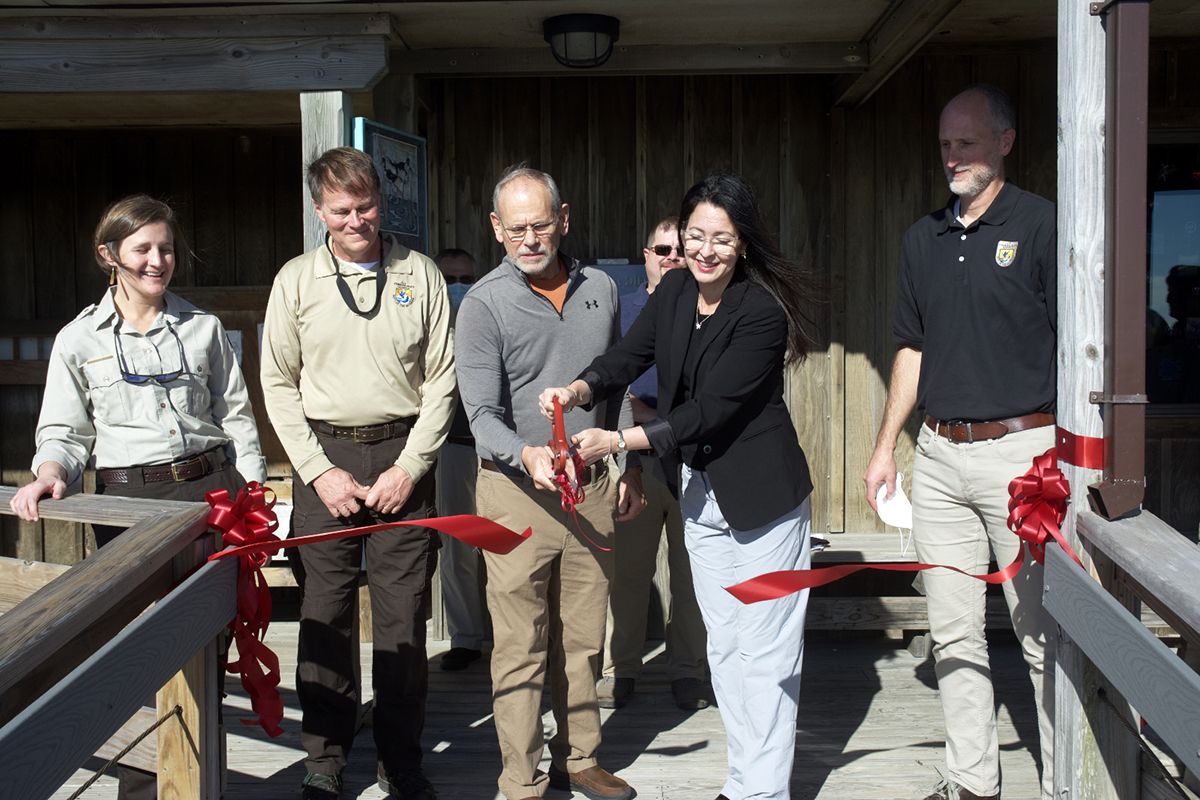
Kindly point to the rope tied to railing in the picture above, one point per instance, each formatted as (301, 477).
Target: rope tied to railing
(177, 711)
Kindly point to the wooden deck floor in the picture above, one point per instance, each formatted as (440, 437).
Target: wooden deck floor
(869, 729)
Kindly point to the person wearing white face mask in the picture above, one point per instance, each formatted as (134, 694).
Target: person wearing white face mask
(456, 469)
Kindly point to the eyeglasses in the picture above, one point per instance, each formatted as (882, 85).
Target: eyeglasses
(459, 279)
(722, 245)
(138, 380)
(540, 230)
(664, 250)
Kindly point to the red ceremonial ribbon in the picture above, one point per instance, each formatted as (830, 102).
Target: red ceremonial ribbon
(1037, 506)
(562, 454)
(1080, 451)
(248, 525)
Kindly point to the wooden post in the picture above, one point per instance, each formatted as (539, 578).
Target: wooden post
(1090, 755)
(325, 119)
(190, 749)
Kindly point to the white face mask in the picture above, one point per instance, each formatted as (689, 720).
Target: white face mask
(457, 292)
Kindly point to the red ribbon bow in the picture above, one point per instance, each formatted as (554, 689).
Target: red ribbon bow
(1038, 505)
(248, 524)
(249, 520)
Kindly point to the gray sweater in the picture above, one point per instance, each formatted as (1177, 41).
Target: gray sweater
(511, 343)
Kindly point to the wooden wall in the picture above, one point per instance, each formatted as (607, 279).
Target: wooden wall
(892, 176)
(237, 192)
(839, 186)
(623, 151)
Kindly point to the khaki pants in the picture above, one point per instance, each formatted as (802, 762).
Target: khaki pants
(636, 552)
(547, 599)
(960, 512)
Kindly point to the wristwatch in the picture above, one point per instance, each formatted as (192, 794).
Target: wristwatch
(620, 442)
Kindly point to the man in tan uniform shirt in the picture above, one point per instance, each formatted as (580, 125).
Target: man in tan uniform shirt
(358, 378)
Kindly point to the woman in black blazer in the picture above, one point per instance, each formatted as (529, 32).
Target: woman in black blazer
(720, 333)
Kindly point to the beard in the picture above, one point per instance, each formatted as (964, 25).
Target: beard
(542, 265)
(975, 181)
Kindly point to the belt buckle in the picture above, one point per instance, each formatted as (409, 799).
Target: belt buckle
(354, 435)
(960, 424)
(175, 472)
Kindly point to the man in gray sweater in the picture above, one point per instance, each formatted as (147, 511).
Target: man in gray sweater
(538, 320)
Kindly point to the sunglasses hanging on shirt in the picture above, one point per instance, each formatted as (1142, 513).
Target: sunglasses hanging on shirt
(135, 378)
(344, 288)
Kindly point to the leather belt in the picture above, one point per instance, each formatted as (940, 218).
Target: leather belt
(196, 467)
(365, 434)
(588, 476)
(966, 432)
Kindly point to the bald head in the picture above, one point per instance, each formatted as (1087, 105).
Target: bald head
(976, 133)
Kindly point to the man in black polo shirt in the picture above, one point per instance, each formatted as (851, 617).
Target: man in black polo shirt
(975, 323)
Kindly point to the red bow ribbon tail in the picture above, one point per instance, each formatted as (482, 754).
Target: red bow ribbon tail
(774, 585)
(245, 522)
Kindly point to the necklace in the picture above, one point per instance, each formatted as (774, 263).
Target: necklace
(701, 320)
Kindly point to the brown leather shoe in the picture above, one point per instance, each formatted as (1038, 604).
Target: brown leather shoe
(593, 782)
(949, 790)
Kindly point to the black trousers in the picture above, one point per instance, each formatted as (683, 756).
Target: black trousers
(400, 565)
(137, 784)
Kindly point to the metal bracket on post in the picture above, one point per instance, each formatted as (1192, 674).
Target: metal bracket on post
(1100, 9)
(1099, 398)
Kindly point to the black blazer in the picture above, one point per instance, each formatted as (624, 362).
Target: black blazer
(736, 417)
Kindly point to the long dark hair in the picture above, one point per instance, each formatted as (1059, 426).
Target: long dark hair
(795, 288)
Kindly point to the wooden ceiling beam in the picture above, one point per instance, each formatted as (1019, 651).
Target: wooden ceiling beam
(257, 63)
(892, 40)
(195, 27)
(795, 57)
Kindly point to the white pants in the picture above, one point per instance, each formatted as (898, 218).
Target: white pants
(960, 512)
(459, 562)
(755, 650)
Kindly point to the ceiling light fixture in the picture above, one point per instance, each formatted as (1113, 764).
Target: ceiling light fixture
(581, 40)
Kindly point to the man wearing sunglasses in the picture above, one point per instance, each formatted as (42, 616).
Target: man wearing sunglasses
(456, 468)
(358, 378)
(637, 539)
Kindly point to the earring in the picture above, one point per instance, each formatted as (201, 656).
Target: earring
(112, 277)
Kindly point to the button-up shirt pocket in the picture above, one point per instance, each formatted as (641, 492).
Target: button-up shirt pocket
(106, 389)
(193, 397)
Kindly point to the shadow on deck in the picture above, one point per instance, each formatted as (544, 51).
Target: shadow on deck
(869, 729)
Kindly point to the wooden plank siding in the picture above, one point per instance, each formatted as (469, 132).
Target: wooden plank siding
(237, 193)
(839, 187)
(623, 151)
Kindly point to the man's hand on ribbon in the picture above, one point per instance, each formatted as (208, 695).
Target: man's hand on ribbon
(539, 463)
(340, 492)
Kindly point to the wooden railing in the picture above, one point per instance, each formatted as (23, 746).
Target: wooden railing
(81, 654)
(1155, 564)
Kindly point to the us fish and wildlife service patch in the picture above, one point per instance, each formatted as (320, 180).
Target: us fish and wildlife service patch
(403, 295)
(1005, 253)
